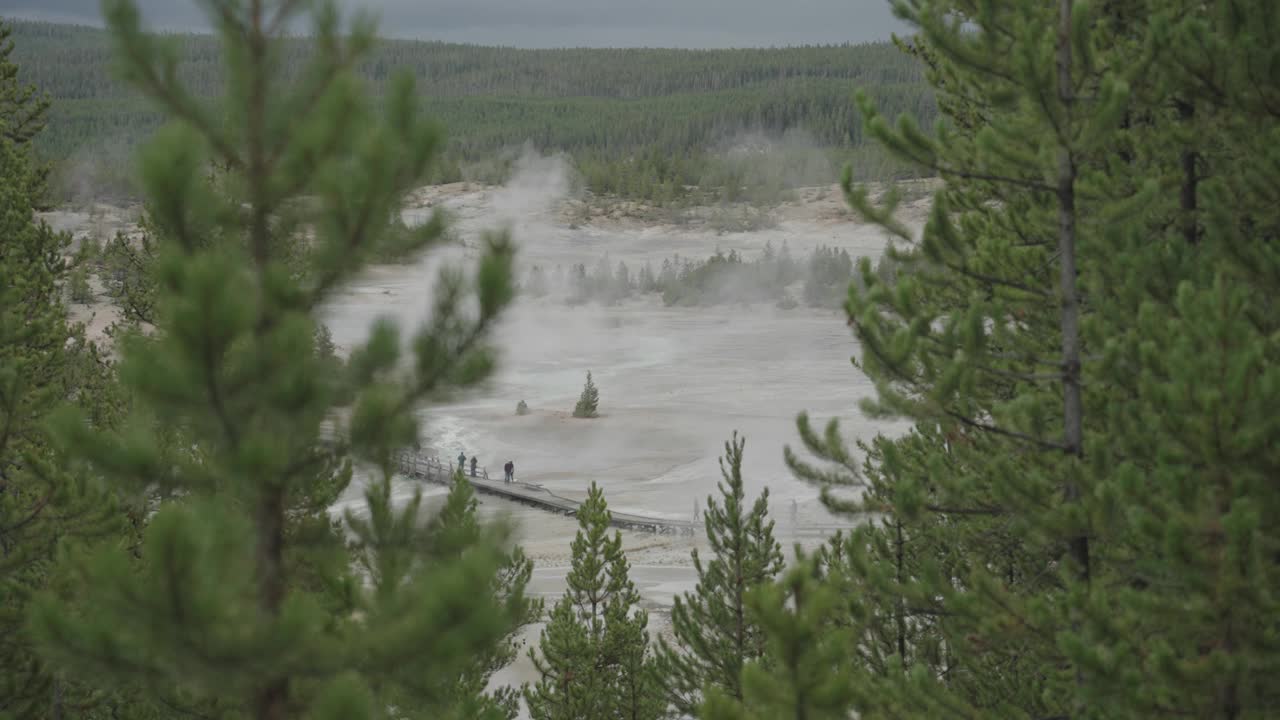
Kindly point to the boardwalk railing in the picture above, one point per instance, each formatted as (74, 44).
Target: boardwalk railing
(432, 469)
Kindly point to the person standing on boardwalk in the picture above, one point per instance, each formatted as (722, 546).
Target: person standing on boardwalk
(462, 460)
(473, 466)
(509, 470)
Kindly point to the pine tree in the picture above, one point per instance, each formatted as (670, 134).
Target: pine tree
(985, 342)
(246, 601)
(78, 289)
(1190, 460)
(454, 531)
(622, 284)
(806, 676)
(128, 267)
(24, 110)
(714, 632)
(647, 282)
(536, 285)
(588, 401)
(875, 568)
(787, 270)
(24, 115)
(42, 501)
(44, 361)
(1073, 336)
(948, 344)
(593, 653)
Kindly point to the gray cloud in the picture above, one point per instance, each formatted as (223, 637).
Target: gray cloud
(562, 23)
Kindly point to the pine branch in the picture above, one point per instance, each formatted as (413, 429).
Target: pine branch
(225, 13)
(1056, 363)
(945, 510)
(284, 10)
(1026, 377)
(214, 393)
(992, 280)
(1047, 445)
(36, 509)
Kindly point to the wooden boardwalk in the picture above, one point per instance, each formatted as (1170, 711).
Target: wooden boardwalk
(431, 469)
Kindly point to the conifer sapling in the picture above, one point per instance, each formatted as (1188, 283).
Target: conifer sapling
(588, 401)
(715, 633)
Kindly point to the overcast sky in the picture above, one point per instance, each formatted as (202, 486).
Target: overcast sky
(563, 23)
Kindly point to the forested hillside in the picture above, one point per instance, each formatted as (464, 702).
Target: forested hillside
(640, 122)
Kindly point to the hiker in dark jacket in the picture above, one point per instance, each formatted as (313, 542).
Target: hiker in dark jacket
(509, 470)
(473, 466)
(462, 460)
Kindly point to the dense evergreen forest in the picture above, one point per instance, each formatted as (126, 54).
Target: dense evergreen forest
(641, 123)
(725, 278)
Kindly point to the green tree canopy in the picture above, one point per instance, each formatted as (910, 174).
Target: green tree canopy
(589, 401)
(247, 600)
(44, 361)
(593, 655)
(1078, 337)
(715, 634)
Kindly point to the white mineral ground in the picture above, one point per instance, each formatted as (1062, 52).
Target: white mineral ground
(674, 382)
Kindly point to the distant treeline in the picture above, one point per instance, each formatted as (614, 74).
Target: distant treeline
(644, 123)
(723, 278)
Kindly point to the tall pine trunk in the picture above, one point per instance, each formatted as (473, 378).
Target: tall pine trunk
(1190, 180)
(899, 606)
(1073, 407)
(271, 700)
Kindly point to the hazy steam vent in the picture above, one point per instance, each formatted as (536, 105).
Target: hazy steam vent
(536, 184)
(771, 163)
